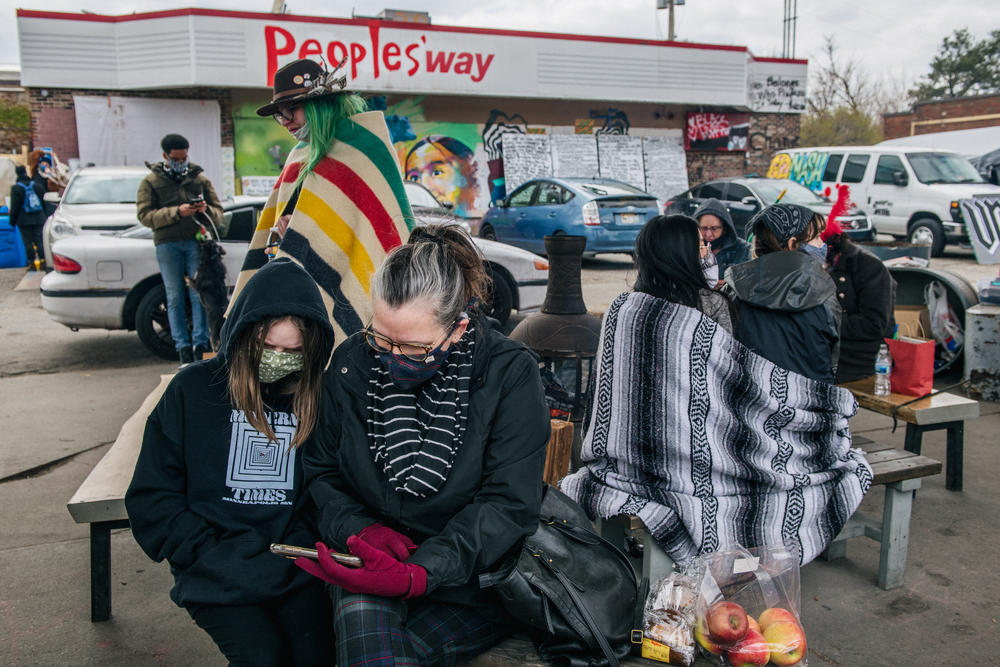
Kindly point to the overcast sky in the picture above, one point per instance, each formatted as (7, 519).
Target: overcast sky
(892, 38)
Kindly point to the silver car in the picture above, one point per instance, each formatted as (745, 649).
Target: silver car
(112, 280)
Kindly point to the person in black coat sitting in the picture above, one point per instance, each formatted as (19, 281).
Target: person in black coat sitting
(867, 294)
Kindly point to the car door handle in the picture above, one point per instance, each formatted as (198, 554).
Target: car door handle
(553, 214)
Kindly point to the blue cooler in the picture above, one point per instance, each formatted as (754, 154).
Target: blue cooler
(11, 246)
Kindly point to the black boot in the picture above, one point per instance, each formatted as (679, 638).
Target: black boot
(199, 352)
(186, 356)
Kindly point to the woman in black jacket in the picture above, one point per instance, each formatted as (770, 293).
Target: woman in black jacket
(219, 476)
(429, 461)
(867, 294)
(787, 310)
(27, 213)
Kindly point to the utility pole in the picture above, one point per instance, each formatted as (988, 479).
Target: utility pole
(788, 28)
(669, 6)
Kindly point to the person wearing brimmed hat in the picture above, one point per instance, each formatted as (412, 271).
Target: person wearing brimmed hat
(786, 303)
(339, 206)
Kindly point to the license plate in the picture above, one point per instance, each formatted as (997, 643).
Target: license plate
(630, 218)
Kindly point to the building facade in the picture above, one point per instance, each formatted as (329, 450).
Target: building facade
(963, 113)
(492, 106)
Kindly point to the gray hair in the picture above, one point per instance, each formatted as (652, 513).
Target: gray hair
(439, 264)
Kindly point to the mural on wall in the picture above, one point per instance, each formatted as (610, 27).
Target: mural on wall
(804, 168)
(495, 127)
(261, 147)
(615, 121)
(717, 132)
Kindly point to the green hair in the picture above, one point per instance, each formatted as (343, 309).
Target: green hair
(323, 115)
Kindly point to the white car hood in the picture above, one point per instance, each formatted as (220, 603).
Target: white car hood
(105, 216)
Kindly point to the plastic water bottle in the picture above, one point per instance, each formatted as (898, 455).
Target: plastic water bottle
(883, 369)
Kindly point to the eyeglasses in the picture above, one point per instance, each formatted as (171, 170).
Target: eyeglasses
(412, 351)
(715, 229)
(285, 114)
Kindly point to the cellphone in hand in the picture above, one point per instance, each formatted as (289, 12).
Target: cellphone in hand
(289, 551)
(200, 199)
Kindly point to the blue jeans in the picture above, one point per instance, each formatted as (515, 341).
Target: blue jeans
(177, 259)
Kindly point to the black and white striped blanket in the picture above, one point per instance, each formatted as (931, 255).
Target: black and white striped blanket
(710, 444)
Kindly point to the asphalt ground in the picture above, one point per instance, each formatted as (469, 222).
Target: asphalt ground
(64, 395)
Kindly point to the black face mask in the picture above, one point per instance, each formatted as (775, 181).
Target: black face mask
(409, 374)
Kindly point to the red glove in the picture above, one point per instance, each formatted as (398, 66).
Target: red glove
(380, 574)
(388, 541)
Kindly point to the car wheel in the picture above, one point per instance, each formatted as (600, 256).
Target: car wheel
(501, 297)
(487, 232)
(928, 232)
(152, 326)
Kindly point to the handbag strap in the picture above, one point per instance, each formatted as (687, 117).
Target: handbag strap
(581, 607)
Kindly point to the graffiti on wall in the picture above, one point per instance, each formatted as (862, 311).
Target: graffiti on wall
(717, 132)
(804, 168)
(615, 121)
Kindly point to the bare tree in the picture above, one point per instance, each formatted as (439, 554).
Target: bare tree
(842, 82)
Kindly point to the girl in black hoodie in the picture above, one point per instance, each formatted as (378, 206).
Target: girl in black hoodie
(219, 476)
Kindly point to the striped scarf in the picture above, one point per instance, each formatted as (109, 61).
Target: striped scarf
(710, 444)
(415, 435)
(351, 211)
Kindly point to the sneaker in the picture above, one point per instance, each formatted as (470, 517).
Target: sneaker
(186, 356)
(200, 350)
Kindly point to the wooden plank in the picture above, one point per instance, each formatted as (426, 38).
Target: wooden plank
(101, 497)
(869, 446)
(934, 410)
(907, 468)
(886, 455)
(559, 451)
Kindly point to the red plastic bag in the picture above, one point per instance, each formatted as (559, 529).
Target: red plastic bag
(912, 365)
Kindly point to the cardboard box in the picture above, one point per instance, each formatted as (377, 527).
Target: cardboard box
(914, 321)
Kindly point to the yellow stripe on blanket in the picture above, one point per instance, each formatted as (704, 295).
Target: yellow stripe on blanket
(340, 233)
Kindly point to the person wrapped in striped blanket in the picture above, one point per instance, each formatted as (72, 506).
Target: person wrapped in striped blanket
(339, 206)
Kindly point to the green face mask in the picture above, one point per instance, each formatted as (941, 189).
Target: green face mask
(275, 365)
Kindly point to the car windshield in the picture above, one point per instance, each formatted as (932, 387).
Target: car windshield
(418, 196)
(610, 189)
(103, 189)
(794, 193)
(933, 168)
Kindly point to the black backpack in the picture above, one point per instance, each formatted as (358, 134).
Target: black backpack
(577, 594)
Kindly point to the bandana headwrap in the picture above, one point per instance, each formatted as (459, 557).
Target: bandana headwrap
(786, 221)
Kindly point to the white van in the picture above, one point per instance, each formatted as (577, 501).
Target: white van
(911, 193)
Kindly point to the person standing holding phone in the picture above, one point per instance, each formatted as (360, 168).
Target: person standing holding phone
(170, 201)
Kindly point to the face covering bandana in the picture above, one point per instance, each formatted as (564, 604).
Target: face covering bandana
(177, 167)
(408, 374)
(302, 134)
(816, 252)
(276, 365)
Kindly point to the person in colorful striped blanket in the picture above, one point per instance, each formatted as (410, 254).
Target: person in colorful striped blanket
(339, 206)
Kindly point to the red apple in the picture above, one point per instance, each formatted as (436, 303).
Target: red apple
(786, 641)
(775, 614)
(753, 624)
(702, 637)
(751, 651)
(726, 622)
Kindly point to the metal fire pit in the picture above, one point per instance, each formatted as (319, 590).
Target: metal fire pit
(563, 330)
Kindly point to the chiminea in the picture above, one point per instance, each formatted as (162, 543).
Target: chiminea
(563, 329)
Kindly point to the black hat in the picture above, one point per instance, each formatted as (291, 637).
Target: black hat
(300, 80)
(786, 221)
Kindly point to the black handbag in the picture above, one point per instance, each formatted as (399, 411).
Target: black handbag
(577, 594)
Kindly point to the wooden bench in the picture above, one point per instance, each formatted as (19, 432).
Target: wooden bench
(898, 469)
(100, 500)
(941, 411)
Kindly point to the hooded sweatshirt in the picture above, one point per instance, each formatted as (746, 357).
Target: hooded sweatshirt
(788, 312)
(729, 248)
(209, 492)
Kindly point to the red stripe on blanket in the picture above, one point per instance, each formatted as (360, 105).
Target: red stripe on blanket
(289, 174)
(348, 181)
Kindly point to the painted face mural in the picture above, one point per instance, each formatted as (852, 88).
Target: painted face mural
(446, 167)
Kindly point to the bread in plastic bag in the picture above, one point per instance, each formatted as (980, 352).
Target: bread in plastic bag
(669, 615)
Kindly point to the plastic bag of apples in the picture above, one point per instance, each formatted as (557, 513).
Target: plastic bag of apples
(747, 612)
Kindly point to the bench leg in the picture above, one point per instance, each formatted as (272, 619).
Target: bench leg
(100, 571)
(956, 440)
(895, 532)
(835, 550)
(914, 435)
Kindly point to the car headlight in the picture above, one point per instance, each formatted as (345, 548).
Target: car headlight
(61, 228)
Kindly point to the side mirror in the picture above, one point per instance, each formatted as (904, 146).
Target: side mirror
(52, 197)
(448, 205)
(749, 201)
(900, 178)
(502, 202)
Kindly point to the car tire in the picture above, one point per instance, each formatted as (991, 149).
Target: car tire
(487, 232)
(928, 230)
(152, 326)
(501, 296)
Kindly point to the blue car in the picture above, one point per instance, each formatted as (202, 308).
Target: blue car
(608, 212)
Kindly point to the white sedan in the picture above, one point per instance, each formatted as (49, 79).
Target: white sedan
(112, 281)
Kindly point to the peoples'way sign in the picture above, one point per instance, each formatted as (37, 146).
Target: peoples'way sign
(982, 219)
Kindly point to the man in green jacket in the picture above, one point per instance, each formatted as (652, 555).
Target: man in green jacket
(173, 200)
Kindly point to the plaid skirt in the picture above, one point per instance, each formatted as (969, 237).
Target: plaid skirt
(371, 630)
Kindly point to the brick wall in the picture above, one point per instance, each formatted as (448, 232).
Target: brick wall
(946, 115)
(11, 136)
(53, 119)
(769, 132)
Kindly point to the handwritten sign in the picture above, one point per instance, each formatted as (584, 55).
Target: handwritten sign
(621, 158)
(774, 92)
(525, 156)
(666, 166)
(575, 155)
